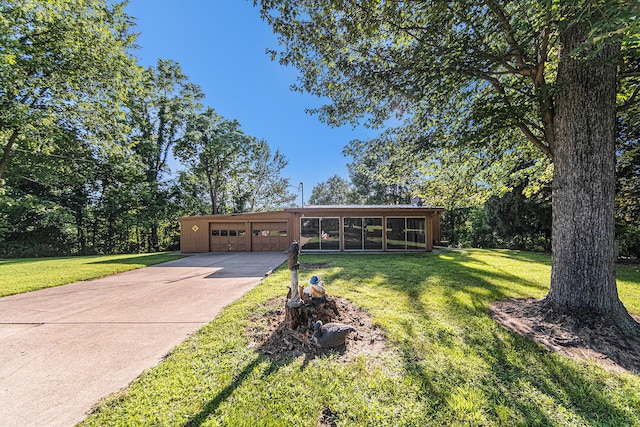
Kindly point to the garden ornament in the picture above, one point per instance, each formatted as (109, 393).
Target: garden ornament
(330, 334)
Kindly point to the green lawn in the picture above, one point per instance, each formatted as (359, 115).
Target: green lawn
(30, 274)
(449, 364)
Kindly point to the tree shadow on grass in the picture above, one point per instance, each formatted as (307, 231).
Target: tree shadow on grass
(547, 375)
(535, 374)
(274, 366)
(144, 259)
(531, 384)
(211, 406)
(278, 346)
(524, 379)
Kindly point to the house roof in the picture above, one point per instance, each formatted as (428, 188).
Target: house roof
(358, 207)
(329, 209)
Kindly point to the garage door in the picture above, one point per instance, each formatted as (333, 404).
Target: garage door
(269, 236)
(228, 237)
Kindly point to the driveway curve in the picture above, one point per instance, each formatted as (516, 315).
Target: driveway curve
(63, 349)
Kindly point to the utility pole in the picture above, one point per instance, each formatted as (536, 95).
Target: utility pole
(302, 195)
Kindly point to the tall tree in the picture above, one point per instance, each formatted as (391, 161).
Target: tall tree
(475, 69)
(120, 206)
(62, 64)
(262, 187)
(158, 115)
(334, 191)
(191, 194)
(216, 148)
(48, 196)
(384, 170)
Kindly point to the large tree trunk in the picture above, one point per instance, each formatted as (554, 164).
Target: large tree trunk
(583, 282)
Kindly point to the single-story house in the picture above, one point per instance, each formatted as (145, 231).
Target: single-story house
(317, 228)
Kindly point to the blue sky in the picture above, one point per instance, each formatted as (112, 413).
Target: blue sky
(220, 45)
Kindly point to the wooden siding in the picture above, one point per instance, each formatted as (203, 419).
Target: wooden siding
(274, 231)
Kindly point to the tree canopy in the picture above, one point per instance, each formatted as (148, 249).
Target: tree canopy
(492, 76)
(62, 65)
(334, 191)
(86, 136)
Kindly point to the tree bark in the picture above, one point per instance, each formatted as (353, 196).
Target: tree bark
(583, 283)
(305, 316)
(6, 152)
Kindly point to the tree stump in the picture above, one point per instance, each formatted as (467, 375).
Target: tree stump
(305, 316)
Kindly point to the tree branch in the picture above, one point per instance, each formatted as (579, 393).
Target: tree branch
(540, 145)
(518, 53)
(631, 101)
(543, 50)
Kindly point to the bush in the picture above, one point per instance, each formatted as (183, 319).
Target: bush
(510, 221)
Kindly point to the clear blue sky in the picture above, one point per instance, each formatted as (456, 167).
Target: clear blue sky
(220, 45)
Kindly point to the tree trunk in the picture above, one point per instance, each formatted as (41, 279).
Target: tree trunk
(154, 239)
(583, 283)
(6, 152)
(304, 317)
(81, 236)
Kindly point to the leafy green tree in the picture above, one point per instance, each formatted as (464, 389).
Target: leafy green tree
(261, 187)
(116, 220)
(384, 170)
(628, 167)
(47, 196)
(217, 149)
(334, 191)
(158, 115)
(471, 228)
(62, 65)
(520, 222)
(628, 191)
(190, 194)
(477, 70)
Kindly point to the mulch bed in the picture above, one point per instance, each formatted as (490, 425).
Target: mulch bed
(273, 339)
(598, 342)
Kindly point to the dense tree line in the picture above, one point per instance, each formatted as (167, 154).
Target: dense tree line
(87, 134)
(505, 205)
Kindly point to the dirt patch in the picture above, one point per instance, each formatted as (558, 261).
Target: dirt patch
(327, 418)
(600, 343)
(272, 338)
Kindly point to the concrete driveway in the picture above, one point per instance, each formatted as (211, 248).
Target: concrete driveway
(63, 349)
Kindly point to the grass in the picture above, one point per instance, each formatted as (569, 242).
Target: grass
(448, 364)
(29, 274)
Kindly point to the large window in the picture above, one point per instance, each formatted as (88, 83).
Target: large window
(310, 233)
(320, 234)
(406, 233)
(416, 233)
(372, 233)
(363, 234)
(396, 236)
